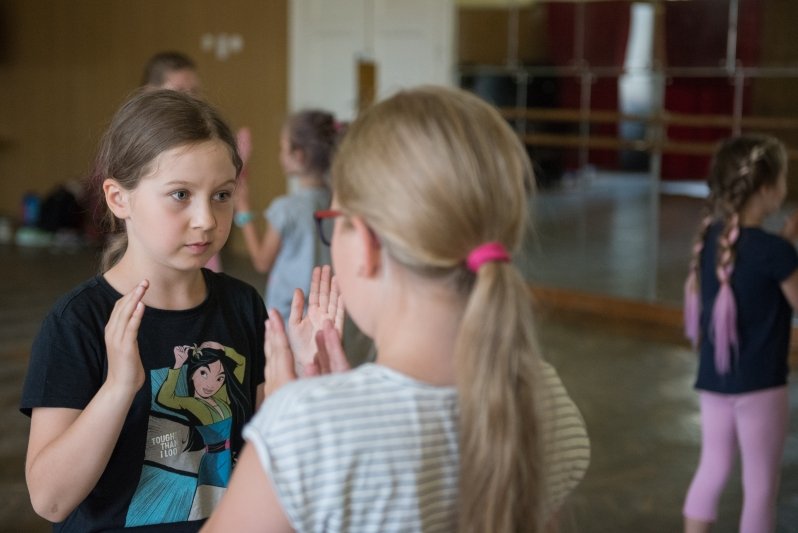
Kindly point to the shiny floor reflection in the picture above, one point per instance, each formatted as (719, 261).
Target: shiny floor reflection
(609, 234)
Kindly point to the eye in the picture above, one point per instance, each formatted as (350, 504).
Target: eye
(223, 196)
(220, 379)
(180, 195)
(203, 373)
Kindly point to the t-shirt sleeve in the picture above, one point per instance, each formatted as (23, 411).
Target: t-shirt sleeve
(270, 433)
(566, 446)
(279, 216)
(66, 366)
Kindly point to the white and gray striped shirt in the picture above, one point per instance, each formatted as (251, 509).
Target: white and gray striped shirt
(374, 450)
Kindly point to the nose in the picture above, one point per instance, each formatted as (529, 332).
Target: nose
(203, 216)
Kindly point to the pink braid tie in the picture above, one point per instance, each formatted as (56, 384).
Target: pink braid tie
(486, 253)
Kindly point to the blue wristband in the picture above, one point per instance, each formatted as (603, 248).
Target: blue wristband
(242, 218)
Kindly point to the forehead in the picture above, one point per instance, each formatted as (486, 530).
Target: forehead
(195, 157)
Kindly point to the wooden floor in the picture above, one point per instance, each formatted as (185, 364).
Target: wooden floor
(631, 379)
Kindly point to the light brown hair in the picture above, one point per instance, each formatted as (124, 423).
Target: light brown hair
(150, 123)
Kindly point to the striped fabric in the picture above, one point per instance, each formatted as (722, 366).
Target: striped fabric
(374, 450)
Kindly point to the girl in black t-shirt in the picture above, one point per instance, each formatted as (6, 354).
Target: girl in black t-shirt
(741, 317)
(103, 454)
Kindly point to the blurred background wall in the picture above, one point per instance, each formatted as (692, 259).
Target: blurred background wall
(66, 66)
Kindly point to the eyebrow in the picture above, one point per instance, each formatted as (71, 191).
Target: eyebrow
(184, 183)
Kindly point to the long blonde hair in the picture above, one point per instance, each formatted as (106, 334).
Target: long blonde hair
(435, 173)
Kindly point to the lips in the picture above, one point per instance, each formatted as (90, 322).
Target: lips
(198, 247)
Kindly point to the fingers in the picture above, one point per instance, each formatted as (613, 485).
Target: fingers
(121, 338)
(335, 351)
(324, 289)
(337, 313)
(132, 329)
(315, 280)
(127, 312)
(244, 143)
(297, 307)
(279, 359)
(330, 355)
(276, 340)
(322, 360)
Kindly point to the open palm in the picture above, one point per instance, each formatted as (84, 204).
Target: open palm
(324, 304)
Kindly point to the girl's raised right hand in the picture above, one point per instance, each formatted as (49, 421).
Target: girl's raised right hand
(325, 304)
(241, 195)
(124, 361)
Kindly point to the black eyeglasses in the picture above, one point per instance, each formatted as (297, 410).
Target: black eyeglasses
(325, 222)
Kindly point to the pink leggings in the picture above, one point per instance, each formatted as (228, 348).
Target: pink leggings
(758, 422)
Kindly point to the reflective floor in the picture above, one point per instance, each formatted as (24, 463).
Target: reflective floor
(633, 383)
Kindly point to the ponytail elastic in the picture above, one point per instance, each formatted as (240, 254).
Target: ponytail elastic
(486, 253)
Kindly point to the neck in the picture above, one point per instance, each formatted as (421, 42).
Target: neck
(309, 181)
(169, 289)
(418, 328)
(752, 214)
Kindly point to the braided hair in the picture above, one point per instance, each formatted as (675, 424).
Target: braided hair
(740, 167)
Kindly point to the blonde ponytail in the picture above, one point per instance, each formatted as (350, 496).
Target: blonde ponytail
(497, 374)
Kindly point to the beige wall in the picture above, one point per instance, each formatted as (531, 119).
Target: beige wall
(66, 65)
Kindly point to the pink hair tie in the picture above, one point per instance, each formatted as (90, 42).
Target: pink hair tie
(485, 253)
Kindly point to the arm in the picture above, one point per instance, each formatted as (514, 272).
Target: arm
(262, 251)
(167, 395)
(68, 449)
(790, 285)
(790, 229)
(790, 289)
(250, 503)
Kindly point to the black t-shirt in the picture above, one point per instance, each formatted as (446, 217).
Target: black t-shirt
(764, 316)
(180, 438)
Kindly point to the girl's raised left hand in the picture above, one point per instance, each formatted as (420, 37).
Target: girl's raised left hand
(279, 359)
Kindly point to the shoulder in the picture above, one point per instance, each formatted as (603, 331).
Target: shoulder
(760, 237)
(281, 203)
(92, 296)
(310, 405)
(773, 253)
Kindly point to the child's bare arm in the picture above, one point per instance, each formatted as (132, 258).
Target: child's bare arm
(68, 449)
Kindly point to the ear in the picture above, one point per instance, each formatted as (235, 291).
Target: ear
(299, 157)
(117, 198)
(369, 247)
